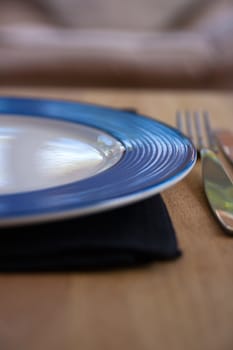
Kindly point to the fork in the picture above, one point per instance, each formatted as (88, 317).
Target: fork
(218, 185)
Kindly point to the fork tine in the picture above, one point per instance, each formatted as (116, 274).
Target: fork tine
(209, 133)
(189, 125)
(197, 122)
(179, 123)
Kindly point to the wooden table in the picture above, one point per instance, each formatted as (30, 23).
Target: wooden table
(183, 304)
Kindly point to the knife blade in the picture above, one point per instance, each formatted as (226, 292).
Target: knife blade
(225, 141)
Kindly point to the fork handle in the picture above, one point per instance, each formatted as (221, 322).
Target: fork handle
(218, 189)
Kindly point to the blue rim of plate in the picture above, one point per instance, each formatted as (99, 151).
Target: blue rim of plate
(156, 157)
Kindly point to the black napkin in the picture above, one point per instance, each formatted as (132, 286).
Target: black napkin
(128, 236)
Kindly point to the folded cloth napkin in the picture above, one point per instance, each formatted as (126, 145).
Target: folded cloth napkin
(132, 235)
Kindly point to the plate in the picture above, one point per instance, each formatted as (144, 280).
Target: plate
(62, 159)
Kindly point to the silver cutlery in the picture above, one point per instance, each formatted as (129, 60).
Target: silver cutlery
(218, 185)
(225, 140)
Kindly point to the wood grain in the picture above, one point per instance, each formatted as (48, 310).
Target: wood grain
(185, 304)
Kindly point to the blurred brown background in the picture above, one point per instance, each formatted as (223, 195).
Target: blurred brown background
(128, 43)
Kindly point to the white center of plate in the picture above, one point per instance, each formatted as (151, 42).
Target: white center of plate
(38, 153)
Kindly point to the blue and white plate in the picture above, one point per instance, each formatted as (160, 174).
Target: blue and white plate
(61, 159)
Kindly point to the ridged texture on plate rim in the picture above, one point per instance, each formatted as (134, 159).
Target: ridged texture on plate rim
(156, 157)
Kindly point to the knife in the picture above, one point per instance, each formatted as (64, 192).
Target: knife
(225, 141)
